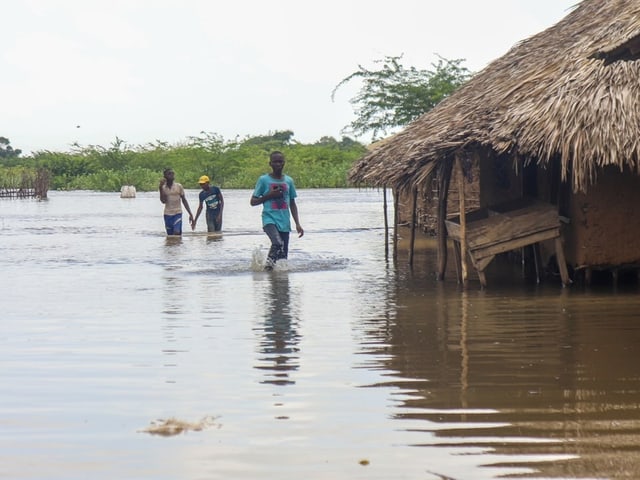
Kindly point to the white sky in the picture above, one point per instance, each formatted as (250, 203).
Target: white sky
(147, 70)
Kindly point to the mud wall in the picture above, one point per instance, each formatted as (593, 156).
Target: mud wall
(605, 222)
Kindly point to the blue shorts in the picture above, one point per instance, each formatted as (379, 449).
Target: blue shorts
(173, 224)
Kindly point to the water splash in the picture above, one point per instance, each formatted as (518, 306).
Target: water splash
(259, 260)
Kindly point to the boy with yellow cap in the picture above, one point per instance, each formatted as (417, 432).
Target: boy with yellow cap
(212, 197)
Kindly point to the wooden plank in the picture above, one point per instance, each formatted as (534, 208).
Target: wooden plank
(512, 244)
(483, 263)
(501, 227)
(453, 229)
(495, 224)
(502, 230)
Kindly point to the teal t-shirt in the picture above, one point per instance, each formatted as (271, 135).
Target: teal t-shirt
(276, 211)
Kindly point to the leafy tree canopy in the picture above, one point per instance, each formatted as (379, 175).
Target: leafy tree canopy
(6, 150)
(393, 96)
(279, 138)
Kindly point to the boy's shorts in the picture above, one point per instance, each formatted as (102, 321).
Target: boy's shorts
(173, 224)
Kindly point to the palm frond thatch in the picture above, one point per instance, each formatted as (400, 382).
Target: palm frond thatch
(570, 92)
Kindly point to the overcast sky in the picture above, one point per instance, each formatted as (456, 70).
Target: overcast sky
(89, 71)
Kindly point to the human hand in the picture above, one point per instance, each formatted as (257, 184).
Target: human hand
(276, 191)
(300, 230)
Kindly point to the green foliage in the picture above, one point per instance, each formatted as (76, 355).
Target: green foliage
(394, 96)
(63, 166)
(273, 141)
(16, 177)
(116, 157)
(7, 152)
(229, 164)
(112, 180)
(315, 166)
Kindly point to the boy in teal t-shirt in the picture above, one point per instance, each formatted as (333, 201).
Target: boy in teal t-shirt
(277, 193)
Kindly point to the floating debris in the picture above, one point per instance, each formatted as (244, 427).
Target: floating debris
(173, 426)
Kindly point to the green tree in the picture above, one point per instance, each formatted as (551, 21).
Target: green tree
(6, 150)
(393, 96)
(116, 157)
(277, 139)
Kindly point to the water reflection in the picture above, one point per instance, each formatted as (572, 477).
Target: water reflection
(524, 381)
(279, 334)
(174, 292)
(172, 240)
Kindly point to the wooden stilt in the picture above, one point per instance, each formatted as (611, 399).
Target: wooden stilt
(395, 224)
(386, 222)
(562, 263)
(414, 216)
(463, 222)
(456, 253)
(483, 278)
(444, 177)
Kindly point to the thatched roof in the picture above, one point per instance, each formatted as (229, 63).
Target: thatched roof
(571, 92)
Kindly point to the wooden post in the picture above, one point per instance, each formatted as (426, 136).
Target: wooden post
(386, 222)
(413, 225)
(395, 223)
(444, 177)
(463, 222)
(562, 263)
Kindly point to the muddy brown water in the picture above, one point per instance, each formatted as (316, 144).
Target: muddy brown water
(345, 363)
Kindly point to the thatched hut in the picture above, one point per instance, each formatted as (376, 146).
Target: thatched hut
(555, 121)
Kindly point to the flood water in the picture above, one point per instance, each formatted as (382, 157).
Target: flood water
(342, 364)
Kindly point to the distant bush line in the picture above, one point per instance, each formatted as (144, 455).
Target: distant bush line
(229, 164)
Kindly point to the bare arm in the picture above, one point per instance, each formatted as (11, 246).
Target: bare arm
(267, 196)
(294, 213)
(186, 206)
(198, 212)
(221, 205)
(163, 194)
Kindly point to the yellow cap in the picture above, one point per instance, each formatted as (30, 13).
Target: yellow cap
(203, 179)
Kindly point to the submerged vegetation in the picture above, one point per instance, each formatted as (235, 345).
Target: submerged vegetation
(229, 164)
